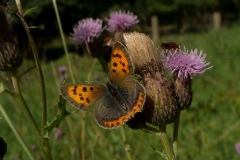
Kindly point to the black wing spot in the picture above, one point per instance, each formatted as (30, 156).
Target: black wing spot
(114, 64)
(118, 55)
(124, 70)
(74, 91)
(81, 98)
(84, 89)
(91, 88)
(87, 99)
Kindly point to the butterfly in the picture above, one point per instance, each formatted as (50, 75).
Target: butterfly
(118, 100)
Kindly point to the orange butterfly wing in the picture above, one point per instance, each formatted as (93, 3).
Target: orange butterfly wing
(83, 96)
(121, 64)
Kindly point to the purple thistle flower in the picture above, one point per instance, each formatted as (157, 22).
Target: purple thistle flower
(58, 133)
(121, 20)
(86, 30)
(237, 147)
(184, 63)
(62, 69)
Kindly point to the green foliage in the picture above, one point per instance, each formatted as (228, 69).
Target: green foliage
(29, 11)
(163, 7)
(213, 118)
(197, 2)
(209, 129)
(61, 115)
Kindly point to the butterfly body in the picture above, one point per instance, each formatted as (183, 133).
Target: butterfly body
(111, 89)
(118, 100)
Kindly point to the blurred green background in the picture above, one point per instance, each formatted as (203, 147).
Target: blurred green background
(209, 129)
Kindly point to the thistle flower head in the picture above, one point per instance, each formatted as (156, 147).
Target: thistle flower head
(183, 63)
(62, 69)
(63, 73)
(143, 53)
(121, 20)
(160, 107)
(10, 57)
(86, 30)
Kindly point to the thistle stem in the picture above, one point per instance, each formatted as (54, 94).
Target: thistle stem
(165, 142)
(175, 135)
(45, 143)
(38, 67)
(18, 97)
(83, 137)
(20, 100)
(126, 146)
(44, 140)
(19, 6)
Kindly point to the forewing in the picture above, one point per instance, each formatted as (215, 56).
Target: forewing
(121, 64)
(83, 96)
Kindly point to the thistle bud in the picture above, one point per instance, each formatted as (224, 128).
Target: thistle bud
(10, 57)
(183, 91)
(160, 107)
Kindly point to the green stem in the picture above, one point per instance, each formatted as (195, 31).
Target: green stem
(43, 92)
(88, 49)
(44, 145)
(74, 149)
(91, 69)
(104, 64)
(83, 137)
(42, 83)
(175, 135)
(19, 6)
(19, 99)
(165, 142)
(5, 115)
(126, 145)
(63, 40)
(100, 59)
(38, 67)
(70, 70)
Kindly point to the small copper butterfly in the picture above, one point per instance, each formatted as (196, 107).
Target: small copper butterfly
(118, 100)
